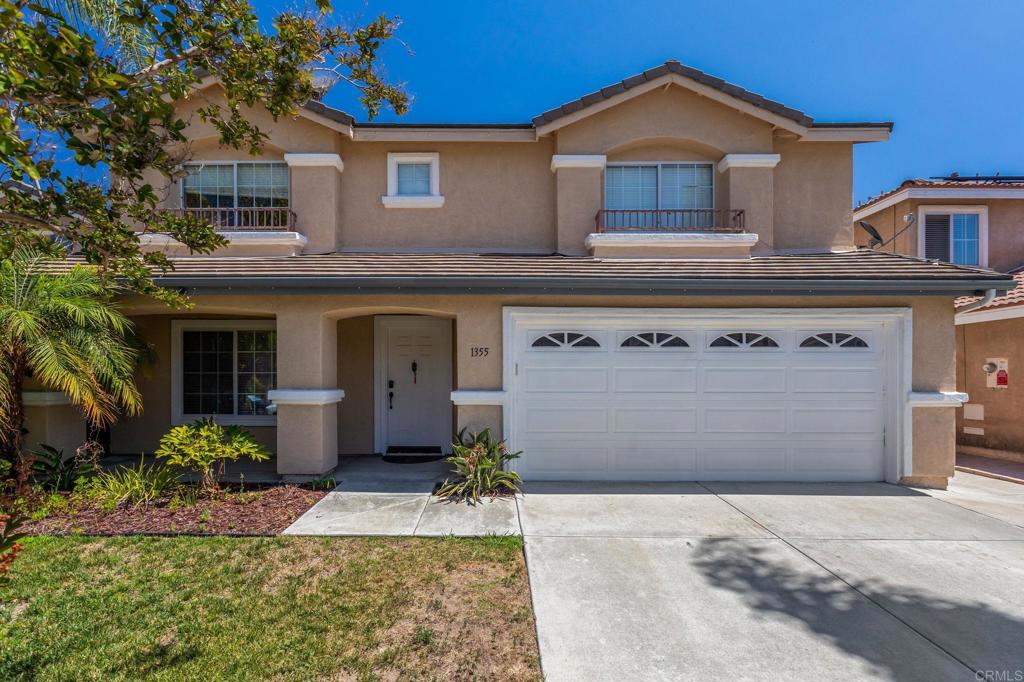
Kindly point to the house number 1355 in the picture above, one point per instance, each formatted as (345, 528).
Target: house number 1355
(479, 351)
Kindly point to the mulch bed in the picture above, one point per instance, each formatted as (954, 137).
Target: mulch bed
(261, 511)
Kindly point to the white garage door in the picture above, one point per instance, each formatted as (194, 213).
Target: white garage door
(698, 395)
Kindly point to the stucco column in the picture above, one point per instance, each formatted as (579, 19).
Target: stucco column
(478, 374)
(51, 419)
(749, 180)
(307, 395)
(578, 198)
(315, 198)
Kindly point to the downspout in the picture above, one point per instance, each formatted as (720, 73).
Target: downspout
(989, 296)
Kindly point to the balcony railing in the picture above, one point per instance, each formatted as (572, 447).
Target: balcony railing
(246, 218)
(670, 220)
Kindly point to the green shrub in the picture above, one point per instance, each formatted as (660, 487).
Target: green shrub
(479, 463)
(125, 486)
(206, 446)
(52, 471)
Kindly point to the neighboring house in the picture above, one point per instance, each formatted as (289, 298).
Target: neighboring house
(974, 222)
(656, 281)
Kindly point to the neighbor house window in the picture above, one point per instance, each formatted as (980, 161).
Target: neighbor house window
(255, 192)
(672, 195)
(414, 181)
(224, 369)
(955, 234)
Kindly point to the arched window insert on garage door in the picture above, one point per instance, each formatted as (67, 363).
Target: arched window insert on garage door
(744, 340)
(654, 340)
(833, 340)
(565, 340)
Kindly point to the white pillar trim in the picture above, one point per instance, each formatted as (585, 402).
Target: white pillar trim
(578, 161)
(748, 161)
(44, 398)
(478, 397)
(306, 396)
(315, 160)
(936, 398)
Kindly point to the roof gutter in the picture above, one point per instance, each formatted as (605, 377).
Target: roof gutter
(989, 296)
(591, 285)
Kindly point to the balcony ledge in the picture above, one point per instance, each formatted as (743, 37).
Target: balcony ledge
(671, 244)
(241, 243)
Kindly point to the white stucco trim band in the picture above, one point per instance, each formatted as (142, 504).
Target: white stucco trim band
(696, 239)
(479, 397)
(305, 396)
(936, 398)
(1007, 313)
(748, 161)
(578, 161)
(315, 160)
(45, 399)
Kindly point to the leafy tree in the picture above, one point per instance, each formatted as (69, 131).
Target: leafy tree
(65, 92)
(63, 329)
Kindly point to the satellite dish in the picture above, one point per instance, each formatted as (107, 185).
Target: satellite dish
(875, 237)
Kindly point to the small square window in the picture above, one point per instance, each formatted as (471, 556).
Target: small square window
(413, 180)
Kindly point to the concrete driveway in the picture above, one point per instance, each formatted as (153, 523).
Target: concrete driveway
(777, 581)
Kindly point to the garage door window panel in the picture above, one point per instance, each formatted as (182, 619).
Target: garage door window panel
(833, 340)
(654, 340)
(554, 340)
(744, 340)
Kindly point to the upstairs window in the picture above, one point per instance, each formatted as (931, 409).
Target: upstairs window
(242, 194)
(414, 181)
(665, 195)
(955, 234)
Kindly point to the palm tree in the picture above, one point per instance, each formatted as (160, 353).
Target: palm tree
(104, 19)
(63, 329)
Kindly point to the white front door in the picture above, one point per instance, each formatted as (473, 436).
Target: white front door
(701, 394)
(414, 382)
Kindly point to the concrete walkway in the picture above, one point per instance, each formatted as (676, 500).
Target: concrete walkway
(742, 581)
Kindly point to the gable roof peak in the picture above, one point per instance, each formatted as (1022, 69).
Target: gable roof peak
(674, 67)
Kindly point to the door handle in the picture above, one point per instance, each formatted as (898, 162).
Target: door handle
(391, 400)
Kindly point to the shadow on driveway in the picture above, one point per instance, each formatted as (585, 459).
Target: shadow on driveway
(979, 636)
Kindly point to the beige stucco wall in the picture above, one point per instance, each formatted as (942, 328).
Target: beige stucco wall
(496, 196)
(478, 322)
(1004, 427)
(813, 187)
(1005, 228)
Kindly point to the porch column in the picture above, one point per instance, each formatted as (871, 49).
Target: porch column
(578, 197)
(51, 419)
(750, 187)
(307, 394)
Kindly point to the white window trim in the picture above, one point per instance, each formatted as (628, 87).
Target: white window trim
(234, 177)
(178, 327)
(434, 200)
(659, 164)
(982, 212)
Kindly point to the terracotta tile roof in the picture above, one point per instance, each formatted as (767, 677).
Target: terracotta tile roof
(928, 183)
(1008, 299)
(668, 67)
(860, 271)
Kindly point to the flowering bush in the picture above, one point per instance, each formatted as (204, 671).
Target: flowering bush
(479, 462)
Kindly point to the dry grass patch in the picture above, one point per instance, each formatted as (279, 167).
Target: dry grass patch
(268, 609)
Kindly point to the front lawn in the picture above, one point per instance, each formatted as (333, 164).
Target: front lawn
(284, 608)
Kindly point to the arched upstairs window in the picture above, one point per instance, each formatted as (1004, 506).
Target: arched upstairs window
(744, 340)
(654, 340)
(833, 340)
(565, 340)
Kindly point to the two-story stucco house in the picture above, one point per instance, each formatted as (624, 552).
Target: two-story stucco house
(978, 222)
(656, 281)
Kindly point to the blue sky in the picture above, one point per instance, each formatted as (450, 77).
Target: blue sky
(948, 73)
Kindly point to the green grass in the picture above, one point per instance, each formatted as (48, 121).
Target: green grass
(268, 609)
